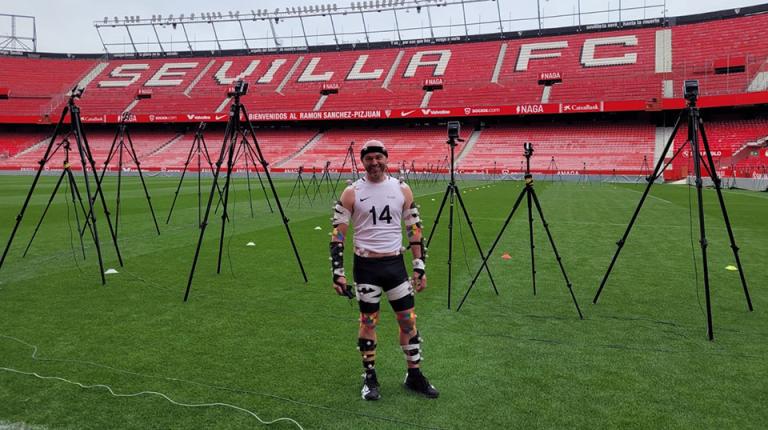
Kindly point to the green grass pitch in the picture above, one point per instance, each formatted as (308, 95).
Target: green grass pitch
(259, 338)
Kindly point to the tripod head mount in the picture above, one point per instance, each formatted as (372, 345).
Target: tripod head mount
(75, 93)
(239, 89)
(454, 128)
(691, 91)
(527, 149)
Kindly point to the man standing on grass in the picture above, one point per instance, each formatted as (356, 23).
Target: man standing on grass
(375, 204)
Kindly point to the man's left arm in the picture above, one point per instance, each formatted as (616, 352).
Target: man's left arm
(414, 230)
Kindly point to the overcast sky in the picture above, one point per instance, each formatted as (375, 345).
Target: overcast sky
(68, 26)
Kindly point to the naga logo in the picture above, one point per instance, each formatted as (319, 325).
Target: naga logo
(526, 109)
(406, 113)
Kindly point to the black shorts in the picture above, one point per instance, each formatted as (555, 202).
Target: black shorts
(375, 276)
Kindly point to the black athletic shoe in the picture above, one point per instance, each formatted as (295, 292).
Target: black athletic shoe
(370, 389)
(418, 383)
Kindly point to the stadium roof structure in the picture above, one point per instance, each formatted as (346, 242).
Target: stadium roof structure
(360, 23)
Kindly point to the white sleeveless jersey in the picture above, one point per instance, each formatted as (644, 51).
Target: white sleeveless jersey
(377, 214)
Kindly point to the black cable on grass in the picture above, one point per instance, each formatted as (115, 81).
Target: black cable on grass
(218, 387)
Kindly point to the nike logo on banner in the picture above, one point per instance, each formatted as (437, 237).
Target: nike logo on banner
(365, 198)
(407, 113)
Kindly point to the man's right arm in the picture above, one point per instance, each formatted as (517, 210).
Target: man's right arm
(342, 212)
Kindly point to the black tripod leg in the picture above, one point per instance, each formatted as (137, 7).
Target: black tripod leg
(231, 164)
(474, 236)
(264, 189)
(293, 190)
(76, 195)
(450, 240)
(119, 188)
(210, 165)
(45, 211)
(726, 218)
(437, 217)
(532, 193)
(265, 166)
(530, 236)
(254, 158)
(132, 154)
(181, 180)
(651, 180)
(84, 153)
(214, 187)
(224, 216)
(86, 157)
(100, 177)
(248, 183)
(493, 247)
(697, 161)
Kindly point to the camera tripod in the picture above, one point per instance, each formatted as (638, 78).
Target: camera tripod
(200, 149)
(350, 156)
(300, 185)
(245, 150)
(702, 157)
(554, 170)
(530, 194)
(119, 147)
(86, 162)
(645, 169)
(453, 194)
(237, 129)
(324, 177)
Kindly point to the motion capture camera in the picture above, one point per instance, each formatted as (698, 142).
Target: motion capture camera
(528, 149)
(240, 89)
(691, 90)
(454, 127)
(76, 92)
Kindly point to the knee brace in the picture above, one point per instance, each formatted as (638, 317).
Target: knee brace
(367, 349)
(412, 350)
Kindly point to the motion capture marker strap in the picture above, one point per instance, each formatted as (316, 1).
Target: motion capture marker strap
(412, 217)
(402, 290)
(412, 351)
(367, 348)
(419, 267)
(405, 316)
(337, 261)
(341, 214)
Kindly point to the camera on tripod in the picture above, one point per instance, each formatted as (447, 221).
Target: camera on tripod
(691, 90)
(527, 149)
(76, 92)
(240, 89)
(454, 128)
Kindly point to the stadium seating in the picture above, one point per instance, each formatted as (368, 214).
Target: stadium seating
(415, 146)
(36, 85)
(606, 148)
